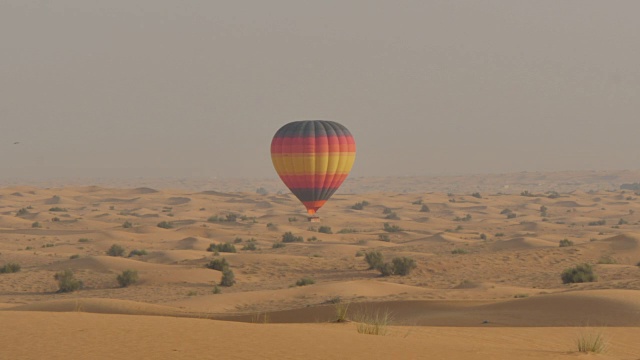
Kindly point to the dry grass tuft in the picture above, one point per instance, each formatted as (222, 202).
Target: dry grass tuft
(373, 322)
(592, 342)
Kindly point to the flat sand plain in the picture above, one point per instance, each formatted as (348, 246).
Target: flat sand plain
(487, 283)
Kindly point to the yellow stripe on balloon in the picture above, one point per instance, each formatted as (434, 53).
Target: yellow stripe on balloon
(309, 164)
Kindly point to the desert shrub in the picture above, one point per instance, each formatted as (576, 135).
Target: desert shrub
(526, 193)
(511, 215)
(278, 245)
(57, 208)
(347, 231)
(403, 265)
(115, 250)
(36, 225)
(292, 219)
(566, 242)
(325, 230)
(384, 237)
(521, 296)
(228, 278)
(288, 237)
(483, 236)
(250, 246)
(165, 225)
(218, 264)
(417, 202)
(465, 218)
(128, 277)
(578, 274)
(231, 218)
(83, 240)
(311, 239)
(386, 210)
(214, 218)
(386, 269)
(22, 212)
(506, 211)
(261, 191)
(392, 216)
(459, 251)
(216, 289)
(137, 252)
(67, 282)
(305, 281)
(597, 223)
(622, 222)
(74, 256)
(360, 205)
(391, 228)
(225, 247)
(424, 208)
(10, 268)
(476, 195)
(607, 259)
(127, 224)
(48, 245)
(499, 234)
(237, 240)
(374, 259)
(359, 253)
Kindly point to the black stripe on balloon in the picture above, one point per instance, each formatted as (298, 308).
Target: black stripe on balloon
(310, 128)
(313, 194)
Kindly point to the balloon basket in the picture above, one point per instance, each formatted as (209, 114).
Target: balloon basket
(314, 219)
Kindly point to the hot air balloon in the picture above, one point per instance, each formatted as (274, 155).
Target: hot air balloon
(313, 158)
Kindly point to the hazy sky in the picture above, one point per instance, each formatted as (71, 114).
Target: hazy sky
(198, 88)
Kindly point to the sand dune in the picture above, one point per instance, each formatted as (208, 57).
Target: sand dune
(475, 266)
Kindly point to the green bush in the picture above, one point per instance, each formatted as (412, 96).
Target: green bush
(218, 264)
(476, 195)
(387, 210)
(226, 247)
(359, 205)
(278, 245)
(36, 225)
(228, 278)
(22, 212)
(57, 208)
(386, 269)
(597, 223)
(115, 250)
(325, 230)
(384, 237)
(459, 251)
(74, 256)
(83, 240)
(137, 252)
(347, 231)
(578, 274)
(305, 281)
(165, 225)
(10, 268)
(566, 242)
(128, 277)
(374, 259)
(391, 228)
(392, 216)
(67, 282)
(288, 237)
(250, 246)
(403, 265)
(424, 208)
(127, 225)
(216, 289)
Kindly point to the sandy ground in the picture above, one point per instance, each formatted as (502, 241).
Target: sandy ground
(487, 284)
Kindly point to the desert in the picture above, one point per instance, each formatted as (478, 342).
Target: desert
(487, 280)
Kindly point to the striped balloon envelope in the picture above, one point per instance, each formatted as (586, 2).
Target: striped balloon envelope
(313, 158)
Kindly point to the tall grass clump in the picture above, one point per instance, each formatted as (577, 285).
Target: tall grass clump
(373, 322)
(592, 342)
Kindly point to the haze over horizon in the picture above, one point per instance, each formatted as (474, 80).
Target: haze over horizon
(196, 88)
